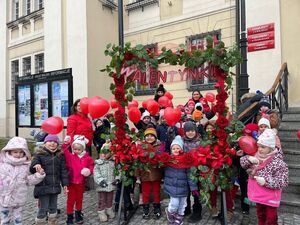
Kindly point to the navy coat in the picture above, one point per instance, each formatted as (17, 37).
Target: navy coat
(177, 182)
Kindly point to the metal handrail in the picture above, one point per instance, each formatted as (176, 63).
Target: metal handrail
(278, 93)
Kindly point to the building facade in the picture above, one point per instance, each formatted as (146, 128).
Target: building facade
(40, 36)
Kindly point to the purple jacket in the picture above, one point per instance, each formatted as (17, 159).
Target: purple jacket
(275, 172)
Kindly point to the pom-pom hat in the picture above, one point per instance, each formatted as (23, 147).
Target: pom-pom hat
(267, 138)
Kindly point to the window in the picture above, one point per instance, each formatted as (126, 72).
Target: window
(15, 9)
(202, 80)
(39, 4)
(39, 63)
(26, 66)
(14, 75)
(28, 7)
(144, 86)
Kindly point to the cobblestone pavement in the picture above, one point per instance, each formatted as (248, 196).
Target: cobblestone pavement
(91, 217)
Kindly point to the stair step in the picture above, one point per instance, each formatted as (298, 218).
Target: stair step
(285, 133)
(291, 117)
(289, 125)
(294, 169)
(291, 155)
(293, 110)
(294, 186)
(290, 204)
(290, 142)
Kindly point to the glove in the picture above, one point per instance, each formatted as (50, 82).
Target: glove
(195, 193)
(115, 182)
(260, 180)
(85, 172)
(253, 160)
(103, 184)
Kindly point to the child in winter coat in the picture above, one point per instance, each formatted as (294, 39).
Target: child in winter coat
(79, 165)
(102, 126)
(106, 181)
(50, 159)
(150, 180)
(191, 140)
(268, 174)
(15, 179)
(177, 185)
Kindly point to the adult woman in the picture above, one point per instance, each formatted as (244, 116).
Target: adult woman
(79, 123)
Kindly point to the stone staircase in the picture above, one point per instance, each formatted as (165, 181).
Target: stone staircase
(289, 126)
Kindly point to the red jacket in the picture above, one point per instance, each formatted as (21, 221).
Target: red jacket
(81, 125)
(75, 164)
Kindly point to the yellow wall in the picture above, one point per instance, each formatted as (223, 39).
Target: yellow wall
(26, 28)
(290, 32)
(26, 49)
(38, 24)
(102, 28)
(170, 9)
(15, 33)
(176, 33)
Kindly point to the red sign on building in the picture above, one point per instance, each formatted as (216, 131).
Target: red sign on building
(261, 37)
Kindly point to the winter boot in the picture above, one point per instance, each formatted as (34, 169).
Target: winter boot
(246, 219)
(196, 215)
(178, 219)
(40, 221)
(52, 219)
(70, 218)
(79, 217)
(170, 216)
(110, 213)
(146, 209)
(102, 216)
(157, 210)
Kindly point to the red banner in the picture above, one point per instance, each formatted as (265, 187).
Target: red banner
(267, 36)
(257, 46)
(260, 29)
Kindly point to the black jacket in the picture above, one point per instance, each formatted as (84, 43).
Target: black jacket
(55, 168)
(103, 129)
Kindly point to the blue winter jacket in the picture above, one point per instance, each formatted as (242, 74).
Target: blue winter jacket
(177, 182)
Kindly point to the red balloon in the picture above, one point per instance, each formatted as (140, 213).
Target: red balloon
(134, 114)
(248, 145)
(210, 97)
(144, 103)
(298, 134)
(133, 103)
(168, 95)
(152, 107)
(84, 105)
(53, 125)
(163, 101)
(113, 103)
(172, 116)
(98, 107)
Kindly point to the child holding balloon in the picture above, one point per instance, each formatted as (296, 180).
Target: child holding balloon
(268, 175)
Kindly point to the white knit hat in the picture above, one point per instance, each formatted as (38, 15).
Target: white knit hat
(81, 140)
(145, 114)
(264, 121)
(267, 138)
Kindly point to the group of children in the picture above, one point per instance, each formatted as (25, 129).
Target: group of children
(53, 167)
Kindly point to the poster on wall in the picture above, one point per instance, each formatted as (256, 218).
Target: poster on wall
(24, 107)
(60, 106)
(40, 103)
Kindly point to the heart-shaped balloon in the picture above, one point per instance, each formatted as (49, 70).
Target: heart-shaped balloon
(53, 125)
(172, 116)
(248, 145)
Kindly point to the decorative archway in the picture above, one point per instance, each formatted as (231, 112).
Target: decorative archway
(211, 161)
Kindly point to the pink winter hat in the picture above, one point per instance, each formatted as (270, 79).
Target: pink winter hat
(267, 138)
(17, 143)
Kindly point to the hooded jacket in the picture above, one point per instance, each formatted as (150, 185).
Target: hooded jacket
(15, 178)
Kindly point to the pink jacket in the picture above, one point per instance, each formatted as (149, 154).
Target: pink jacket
(75, 164)
(275, 173)
(15, 180)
